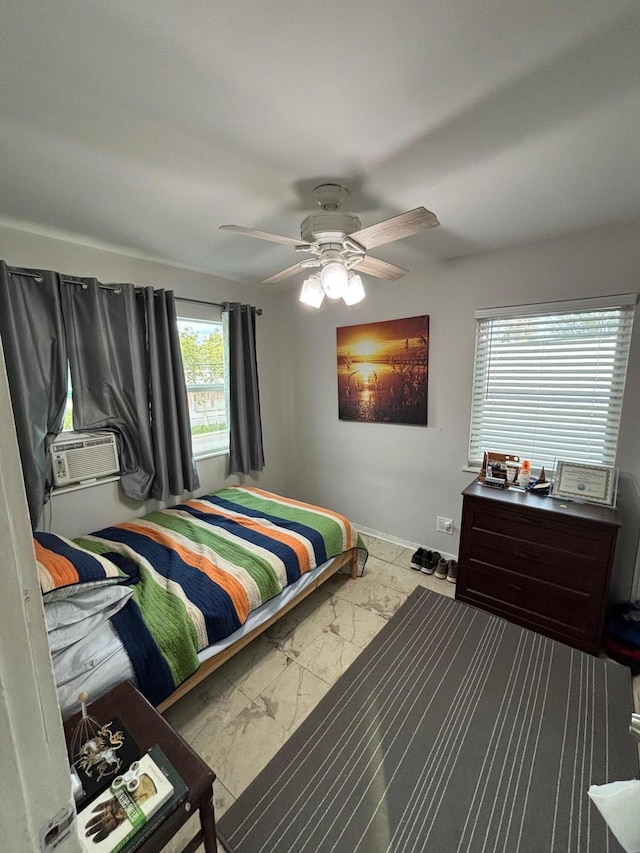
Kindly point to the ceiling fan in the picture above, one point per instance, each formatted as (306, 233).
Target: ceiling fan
(339, 245)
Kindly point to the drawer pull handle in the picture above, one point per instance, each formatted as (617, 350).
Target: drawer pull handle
(531, 557)
(527, 519)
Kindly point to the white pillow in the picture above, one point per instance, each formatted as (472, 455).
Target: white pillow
(72, 619)
(87, 657)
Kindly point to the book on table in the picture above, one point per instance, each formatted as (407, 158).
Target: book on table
(126, 813)
(179, 796)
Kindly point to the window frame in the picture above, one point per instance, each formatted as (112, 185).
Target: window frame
(498, 360)
(202, 313)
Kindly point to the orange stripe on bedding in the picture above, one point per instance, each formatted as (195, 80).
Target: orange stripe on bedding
(226, 581)
(61, 571)
(311, 507)
(267, 530)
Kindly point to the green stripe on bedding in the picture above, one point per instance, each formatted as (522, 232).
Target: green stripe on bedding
(92, 544)
(166, 617)
(329, 528)
(257, 567)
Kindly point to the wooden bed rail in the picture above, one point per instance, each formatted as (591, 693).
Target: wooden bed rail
(348, 558)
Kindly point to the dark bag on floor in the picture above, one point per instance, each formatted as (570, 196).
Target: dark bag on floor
(622, 634)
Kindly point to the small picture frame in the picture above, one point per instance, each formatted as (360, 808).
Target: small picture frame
(590, 483)
(499, 466)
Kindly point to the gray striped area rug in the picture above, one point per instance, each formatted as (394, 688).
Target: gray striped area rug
(454, 730)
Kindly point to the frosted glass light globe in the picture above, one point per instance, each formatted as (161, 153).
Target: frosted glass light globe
(355, 290)
(334, 278)
(312, 292)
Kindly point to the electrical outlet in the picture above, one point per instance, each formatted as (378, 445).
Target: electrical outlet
(444, 525)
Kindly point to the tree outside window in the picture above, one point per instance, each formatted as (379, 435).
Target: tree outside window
(202, 346)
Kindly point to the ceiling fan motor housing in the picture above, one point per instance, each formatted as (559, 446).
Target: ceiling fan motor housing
(328, 227)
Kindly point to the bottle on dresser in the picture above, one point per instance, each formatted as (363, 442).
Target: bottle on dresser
(524, 477)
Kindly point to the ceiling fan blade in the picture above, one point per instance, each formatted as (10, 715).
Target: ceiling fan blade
(280, 276)
(381, 269)
(261, 235)
(395, 228)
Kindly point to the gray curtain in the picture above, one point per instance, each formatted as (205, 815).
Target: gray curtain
(106, 342)
(246, 452)
(33, 340)
(125, 362)
(175, 468)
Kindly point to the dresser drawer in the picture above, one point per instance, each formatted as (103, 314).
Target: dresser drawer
(555, 606)
(562, 567)
(533, 528)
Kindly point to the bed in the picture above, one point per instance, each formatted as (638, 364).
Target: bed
(167, 598)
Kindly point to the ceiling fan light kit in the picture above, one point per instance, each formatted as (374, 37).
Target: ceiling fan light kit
(338, 244)
(355, 290)
(312, 292)
(334, 277)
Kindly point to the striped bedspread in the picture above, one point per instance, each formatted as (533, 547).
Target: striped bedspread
(203, 566)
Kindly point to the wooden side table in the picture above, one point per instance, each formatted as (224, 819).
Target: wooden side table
(148, 728)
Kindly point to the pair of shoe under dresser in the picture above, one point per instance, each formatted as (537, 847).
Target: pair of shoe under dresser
(540, 562)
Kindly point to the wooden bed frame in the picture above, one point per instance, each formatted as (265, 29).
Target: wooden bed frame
(348, 558)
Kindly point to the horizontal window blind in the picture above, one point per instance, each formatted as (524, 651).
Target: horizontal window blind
(549, 381)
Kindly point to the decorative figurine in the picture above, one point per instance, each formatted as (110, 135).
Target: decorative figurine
(94, 746)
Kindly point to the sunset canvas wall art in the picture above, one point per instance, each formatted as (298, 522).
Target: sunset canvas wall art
(383, 371)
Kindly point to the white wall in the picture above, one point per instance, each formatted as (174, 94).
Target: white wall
(89, 509)
(397, 479)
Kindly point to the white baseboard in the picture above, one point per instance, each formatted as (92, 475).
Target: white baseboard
(395, 540)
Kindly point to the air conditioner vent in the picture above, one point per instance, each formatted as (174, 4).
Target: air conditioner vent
(78, 457)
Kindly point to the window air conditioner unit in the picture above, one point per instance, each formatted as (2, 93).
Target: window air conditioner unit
(81, 457)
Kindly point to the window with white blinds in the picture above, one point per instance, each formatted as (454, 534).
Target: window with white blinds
(549, 380)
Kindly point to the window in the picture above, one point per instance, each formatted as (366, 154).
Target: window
(202, 345)
(67, 424)
(549, 380)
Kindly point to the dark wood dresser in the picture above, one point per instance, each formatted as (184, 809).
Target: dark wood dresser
(541, 562)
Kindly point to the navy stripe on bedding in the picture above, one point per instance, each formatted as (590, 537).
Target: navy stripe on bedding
(152, 672)
(216, 605)
(280, 549)
(283, 551)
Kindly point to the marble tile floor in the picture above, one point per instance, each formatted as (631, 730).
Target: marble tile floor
(240, 716)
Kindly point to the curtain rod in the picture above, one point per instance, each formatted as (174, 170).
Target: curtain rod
(77, 280)
(116, 287)
(205, 302)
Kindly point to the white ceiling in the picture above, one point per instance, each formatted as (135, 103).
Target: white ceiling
(147, 124)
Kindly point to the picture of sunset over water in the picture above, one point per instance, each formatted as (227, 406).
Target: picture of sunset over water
(383, 371)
